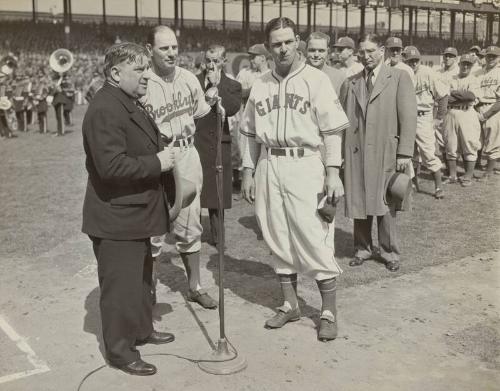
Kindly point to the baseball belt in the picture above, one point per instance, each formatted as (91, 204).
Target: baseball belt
(293, 152)
(178, 142)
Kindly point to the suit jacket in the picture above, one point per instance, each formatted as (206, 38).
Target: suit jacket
(382, 126)
(125, 197)
(206, 142)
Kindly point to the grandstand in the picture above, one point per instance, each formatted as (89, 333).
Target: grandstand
(239, 23)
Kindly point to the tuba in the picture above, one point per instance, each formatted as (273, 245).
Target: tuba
(61, 60)
(7, 64)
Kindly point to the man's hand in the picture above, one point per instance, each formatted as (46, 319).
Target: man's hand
(401, 163)
(333, 185)
(167, 158)
(212, 96)
(248, 185)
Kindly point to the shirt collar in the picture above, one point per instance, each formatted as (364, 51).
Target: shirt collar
(375, 71)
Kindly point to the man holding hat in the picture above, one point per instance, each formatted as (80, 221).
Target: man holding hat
(345, 49)
(395, 59)
(462, 129)
(381, 107)
(489, 96)
(429, 89)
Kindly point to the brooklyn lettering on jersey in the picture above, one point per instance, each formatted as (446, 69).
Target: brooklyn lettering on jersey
(175, 108)
(489, 81)
(292, 101)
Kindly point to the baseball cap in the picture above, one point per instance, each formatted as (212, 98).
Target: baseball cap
(258, 49)
(394, 42)
(493, 50)
(482, 53)
(344, 42)
(467, 58)
(411, 53)
(451, 51)
(475, 48)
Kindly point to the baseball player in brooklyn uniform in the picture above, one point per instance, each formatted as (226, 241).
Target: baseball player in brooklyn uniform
(175, 99)
(290, 113)
(489, 95)
(462, 129)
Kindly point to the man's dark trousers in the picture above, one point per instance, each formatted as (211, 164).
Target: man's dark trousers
(124, 269)
(387, 237)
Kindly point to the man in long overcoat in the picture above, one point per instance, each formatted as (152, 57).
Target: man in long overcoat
(205, 138)
(381, 106)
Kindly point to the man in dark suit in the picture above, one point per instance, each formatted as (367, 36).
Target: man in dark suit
(382, 110)
(125, 204)
(205, 138)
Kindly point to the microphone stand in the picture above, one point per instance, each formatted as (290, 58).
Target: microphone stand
(224, 360)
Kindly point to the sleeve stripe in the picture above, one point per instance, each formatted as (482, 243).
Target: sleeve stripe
(335, 130)
(247, 133)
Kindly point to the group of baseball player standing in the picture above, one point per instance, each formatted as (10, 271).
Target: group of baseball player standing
(302, 124)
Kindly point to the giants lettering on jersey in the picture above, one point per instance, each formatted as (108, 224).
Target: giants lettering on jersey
(292, 101)
(180, 106)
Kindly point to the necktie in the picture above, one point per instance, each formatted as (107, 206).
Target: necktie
(369, 82)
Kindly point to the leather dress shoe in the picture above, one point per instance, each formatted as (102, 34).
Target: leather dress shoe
(357, 261)
(138, 368)
(156, 338)
(392, 266)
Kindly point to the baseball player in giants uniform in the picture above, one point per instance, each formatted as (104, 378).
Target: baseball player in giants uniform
(290, 113)
(428, 88)
(175, 99)
(489, 95)
(462, 129)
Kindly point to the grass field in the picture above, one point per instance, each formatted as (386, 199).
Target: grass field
(43, 184)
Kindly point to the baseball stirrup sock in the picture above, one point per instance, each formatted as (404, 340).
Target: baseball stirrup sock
(328, 291)
(191, 263)
(288, 284)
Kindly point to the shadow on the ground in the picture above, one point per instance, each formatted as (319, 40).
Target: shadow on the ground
(92, 319)
(254, 282)
(174, 277)
(250, 222)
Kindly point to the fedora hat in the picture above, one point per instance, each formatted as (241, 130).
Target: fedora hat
(185, 192)
(5, 103)
(399, 188)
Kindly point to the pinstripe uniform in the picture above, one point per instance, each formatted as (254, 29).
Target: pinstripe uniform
(287, 118)
(174, 105)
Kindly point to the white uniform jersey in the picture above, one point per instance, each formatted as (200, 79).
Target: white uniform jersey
(429, 87)
(354, 69)
(293, 111)
(401, 65)
(174, 105)
(247, 77)
(489, 85)
(447, 75)
(469, 83)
